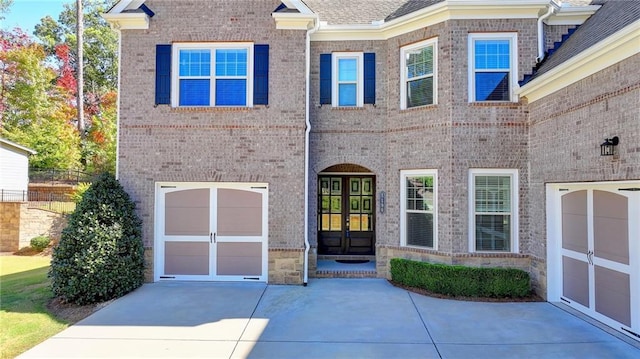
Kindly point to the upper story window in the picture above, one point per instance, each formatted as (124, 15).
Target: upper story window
(418, 79)
(348, 86)
(214, 74)
(418, 221)
(493, 72)
(347, 79)
(493, 204)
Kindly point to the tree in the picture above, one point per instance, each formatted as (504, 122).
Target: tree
(4, 7)
(34, 111)
(100, 255)
(100, 43)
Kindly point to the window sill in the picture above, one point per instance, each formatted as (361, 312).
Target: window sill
(192, 109)
(509, 104)
(347, 108)
(432, 106)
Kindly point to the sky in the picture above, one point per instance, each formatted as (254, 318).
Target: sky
(27, 13)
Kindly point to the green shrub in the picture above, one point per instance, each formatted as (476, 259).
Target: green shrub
(39, 243)
(461, 281)
(100, 254)
(81, 188)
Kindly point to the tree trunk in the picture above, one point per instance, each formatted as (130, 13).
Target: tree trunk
(80, 64)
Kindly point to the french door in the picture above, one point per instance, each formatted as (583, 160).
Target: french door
(215, 232)
(346, 215)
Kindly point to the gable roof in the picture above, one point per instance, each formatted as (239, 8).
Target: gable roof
(353, 12)
(609, 19)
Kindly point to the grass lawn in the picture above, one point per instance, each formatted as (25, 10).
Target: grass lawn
(24, 293)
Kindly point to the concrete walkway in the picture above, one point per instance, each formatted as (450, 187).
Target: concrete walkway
(330, 318)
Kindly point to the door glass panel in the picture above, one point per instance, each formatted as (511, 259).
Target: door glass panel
(354, 186)
(336, 222)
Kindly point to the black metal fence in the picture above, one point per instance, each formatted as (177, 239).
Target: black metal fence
(56, 202)
(58, 176)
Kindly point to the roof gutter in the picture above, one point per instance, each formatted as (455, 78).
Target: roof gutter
(552, 10)
(307, 246)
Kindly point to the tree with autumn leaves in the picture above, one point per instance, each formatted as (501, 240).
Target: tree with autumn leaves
(38, 89)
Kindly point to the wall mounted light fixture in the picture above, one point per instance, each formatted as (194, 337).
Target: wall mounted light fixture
(607, 148)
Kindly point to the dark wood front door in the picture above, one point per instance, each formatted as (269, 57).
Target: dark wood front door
(346, 215)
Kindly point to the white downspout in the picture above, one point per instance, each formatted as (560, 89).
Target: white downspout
(307, 246)
(552, 10)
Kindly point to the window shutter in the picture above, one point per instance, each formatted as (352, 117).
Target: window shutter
(370, 78)
(261, 75)
(325, 79)
(163, 74)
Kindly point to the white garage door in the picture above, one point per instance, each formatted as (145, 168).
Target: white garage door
(594, 251)
(211, 231)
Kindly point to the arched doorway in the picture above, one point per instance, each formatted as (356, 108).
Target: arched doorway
(346, 211)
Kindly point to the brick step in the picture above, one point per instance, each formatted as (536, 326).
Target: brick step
(344, 274)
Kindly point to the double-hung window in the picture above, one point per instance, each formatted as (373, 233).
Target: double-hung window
(493, 203)
(348, 88)
(418, 221)
(418, 79)
(213, 74)
(492, 66)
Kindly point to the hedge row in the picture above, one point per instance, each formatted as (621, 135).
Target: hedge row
(454, 280)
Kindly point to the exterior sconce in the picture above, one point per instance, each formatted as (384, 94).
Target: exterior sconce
(607, 148)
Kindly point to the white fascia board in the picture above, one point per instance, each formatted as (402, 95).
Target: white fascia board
(616, 48)
(128, 21)
(119, 7)
(298, 5)
(17, 146)
(429, 16)
(293, 21)
(572, 15)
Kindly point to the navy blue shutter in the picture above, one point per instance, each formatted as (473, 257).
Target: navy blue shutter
(261, 74)
(163, 74)
(370, 77)
(325, 79)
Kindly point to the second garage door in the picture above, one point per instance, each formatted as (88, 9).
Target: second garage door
(594, 250)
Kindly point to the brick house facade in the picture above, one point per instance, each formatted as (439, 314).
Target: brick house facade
(463, 177)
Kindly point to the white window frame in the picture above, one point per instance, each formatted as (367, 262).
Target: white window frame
(512, 37)
(403, 205)
(213, 46)
(403, 70)
(514, 213)
(335, 57)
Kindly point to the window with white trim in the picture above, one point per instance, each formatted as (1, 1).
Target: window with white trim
(212, 74)
(493, 204)
(348, 79)
(418, 221)
(493, 70)
(418, 80)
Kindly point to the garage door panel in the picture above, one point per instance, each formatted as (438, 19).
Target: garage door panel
(611, 226)
(238, 221)
(186, 258)
(575, 280)
(613, 294)
(239, 259)
(187, 213)
(575, 222)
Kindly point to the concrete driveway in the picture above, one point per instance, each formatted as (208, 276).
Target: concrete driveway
(330, 318)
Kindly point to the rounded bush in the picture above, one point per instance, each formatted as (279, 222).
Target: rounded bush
(100, 254)
(39, 243)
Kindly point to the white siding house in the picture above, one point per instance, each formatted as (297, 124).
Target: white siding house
(14, 170)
